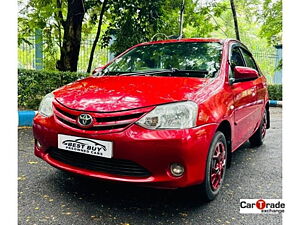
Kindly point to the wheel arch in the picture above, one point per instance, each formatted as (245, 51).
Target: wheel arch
(225, 128)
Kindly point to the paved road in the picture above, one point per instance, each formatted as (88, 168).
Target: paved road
(50, 196)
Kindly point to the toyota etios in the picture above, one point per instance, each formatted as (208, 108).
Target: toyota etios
(167, 114)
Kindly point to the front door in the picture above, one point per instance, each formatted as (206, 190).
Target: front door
(246, 113)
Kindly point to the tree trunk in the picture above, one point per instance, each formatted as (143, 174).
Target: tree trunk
(236, 27)
(181, 20)
(97, 35)
(72, 37)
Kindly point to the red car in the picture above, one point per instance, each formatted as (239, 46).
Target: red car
(166, 114)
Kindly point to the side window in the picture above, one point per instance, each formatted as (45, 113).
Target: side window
(249, 60)
(235, 60)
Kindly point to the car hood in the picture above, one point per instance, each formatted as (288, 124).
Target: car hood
(116, 93)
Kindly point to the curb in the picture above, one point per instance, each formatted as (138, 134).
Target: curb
(26, 118)
(275, 103)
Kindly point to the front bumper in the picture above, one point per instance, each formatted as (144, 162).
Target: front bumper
(154, 150)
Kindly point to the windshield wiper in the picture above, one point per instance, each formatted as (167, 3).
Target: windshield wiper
(143, 72)
(177, 72)
(170, 71)
(124, 73)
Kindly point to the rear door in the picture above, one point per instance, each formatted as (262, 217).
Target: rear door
(246, 114)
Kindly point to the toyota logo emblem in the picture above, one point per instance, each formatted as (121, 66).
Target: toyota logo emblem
(85, 120)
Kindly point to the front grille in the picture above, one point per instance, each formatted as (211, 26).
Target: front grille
(93, 128)
(118, 118)
(99, 164)
(103, 122)
(66, 114)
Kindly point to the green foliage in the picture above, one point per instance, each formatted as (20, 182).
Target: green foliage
(250, 24)
(49, 16)
(275, 91)
(135, 21)
(198, 20)
(271, 28)
(40, 14)
(132, 22)
(34, 84)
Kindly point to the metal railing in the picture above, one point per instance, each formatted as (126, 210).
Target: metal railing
(266, 60)
(27, 56)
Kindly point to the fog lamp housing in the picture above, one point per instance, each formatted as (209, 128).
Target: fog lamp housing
(177, 169)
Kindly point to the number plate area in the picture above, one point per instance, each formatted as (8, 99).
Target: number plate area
(85, 145)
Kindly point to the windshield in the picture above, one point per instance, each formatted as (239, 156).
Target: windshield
(195, 59)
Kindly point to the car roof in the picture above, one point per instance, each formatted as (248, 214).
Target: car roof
(184, 40)
(219, 40)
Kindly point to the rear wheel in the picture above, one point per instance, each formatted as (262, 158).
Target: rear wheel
(257, 138)
(215, 167)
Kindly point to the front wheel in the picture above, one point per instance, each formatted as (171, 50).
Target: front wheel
(257, 138)
(215, 167)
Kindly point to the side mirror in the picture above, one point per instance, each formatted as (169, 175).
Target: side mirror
(244, 74)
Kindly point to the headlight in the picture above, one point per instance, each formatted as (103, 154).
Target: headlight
(46, 105)
(178, 115)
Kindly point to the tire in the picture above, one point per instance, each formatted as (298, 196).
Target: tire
(257, 138)
(216, 167)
